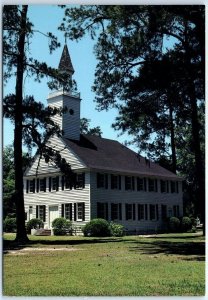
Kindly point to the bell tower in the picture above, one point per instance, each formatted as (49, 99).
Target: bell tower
(65, 98)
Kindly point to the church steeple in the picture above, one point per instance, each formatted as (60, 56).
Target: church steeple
(65, 63)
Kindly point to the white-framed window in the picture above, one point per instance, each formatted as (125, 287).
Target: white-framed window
(116, 211)
(129, 183)
(141, 184)
(53, 183)
(152, 185)
(102, 180)
(66, 211)
(176, 212)
(32, 186)
(41, 212)
(80, 180)
(79, 211)
(102, 210)
(42, 184)
(130, 211)
(174, 186)
(164, 186)
(153, 212)
(115, 181)
(141, 211)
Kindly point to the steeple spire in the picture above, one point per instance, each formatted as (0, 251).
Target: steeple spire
(65, 63)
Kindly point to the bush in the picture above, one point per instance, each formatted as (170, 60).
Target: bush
(174, 224)
(97, 228)
(116, 229)
(34, 223)
(9, 225)
(61, 226)
(193, 221)
(186, 224)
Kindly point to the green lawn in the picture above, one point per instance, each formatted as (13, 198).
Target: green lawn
(172, 265)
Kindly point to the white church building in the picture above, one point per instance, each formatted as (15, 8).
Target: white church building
(113, 182)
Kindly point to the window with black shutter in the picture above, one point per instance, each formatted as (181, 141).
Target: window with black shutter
(129, 211)
(115, 182)
(79, 211)
(174, 186)
(102, 180)
(141, 211)
(41, 212)
(146, 211)
(164, 212)
(102, 210)
(66, 211)
(120, 211)
(49, 184)
(62, 182)
(32, 186)
(37, 185)
(80, 180)
(43, 185)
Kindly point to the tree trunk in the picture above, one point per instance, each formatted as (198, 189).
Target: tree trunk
(21, 236)
(172, 138)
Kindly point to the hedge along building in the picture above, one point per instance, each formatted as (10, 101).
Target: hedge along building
(112, 181)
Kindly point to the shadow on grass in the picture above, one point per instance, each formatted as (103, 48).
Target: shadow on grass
(187, 250)
(12, 245)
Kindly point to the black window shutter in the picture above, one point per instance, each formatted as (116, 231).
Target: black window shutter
(125, 183)
(126, 206)
(98, 180)
(44, 213)
(83, 180)
(119, 179)
(83, 211)
(106, 207)
(155, 185)
(33, 185)
(177, 186)
(37, 185)
(112, 204)
(36, 211)
(49, 184)
(167, 186)
(146, 212)
(120, 211)
(62, 182)
(112, 186)
(132, 179)
(62, 210)
(134, 211)
(75, 211)
(138, 185)
(157, 213)
(98, 209)
(27, 186)
(57, 183)
(139, 211)
(70, 207)
(145, 184)
(106, 181)
(45, 184)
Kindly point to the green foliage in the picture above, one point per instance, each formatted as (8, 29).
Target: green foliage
(85, 128)
(116, 229)
(174, 224)
(34, 224)
(186, 224)
(61, 226)
(9, 224)
(97, 228)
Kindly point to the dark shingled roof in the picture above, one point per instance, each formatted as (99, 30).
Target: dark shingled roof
(65, 62)
(109, 155)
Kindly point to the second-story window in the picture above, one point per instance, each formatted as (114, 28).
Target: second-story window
(115, 181)
(174, 186)
(152, 185)
(102, 180)
(164, 186)
(42, 184)
(80, 180)
(129, 183)
(141, 184)
(32, 186)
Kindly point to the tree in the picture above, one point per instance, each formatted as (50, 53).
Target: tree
(131, 38)
(85, 128)
(32, 121)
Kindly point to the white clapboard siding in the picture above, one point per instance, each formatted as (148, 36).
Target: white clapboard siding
(59, 197)
(138, 197)
(69, 121)
(41, 167)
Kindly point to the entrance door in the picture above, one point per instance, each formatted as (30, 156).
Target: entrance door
(53, 214)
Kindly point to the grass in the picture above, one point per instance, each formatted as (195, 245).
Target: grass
(164, 265)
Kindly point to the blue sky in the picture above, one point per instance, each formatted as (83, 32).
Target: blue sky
(47, 18)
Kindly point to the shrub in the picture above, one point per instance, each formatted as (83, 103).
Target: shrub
(174, 224)
(97, 228)
(116, 229)
(9, 225)
(34, 223)
(61, 226)
(186, 224)
(193, 221)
